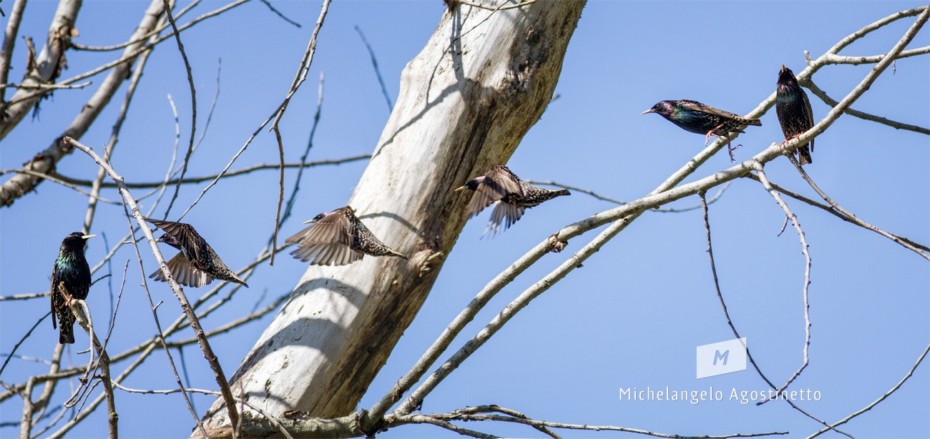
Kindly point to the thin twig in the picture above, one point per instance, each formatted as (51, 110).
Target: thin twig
(374, 64)
(194, 180)
(10, 355)
(288, 209)
(726, 314)
(878, 401)
(279, 14)
(299, 78)
(805, 289)
(849, 216)
(809, 83)
(193, 129)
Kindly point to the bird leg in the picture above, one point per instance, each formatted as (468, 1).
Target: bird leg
(730, 149)
(709, 133)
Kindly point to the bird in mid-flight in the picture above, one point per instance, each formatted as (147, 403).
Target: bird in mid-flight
(197, 264)
(699, 118)
(794, 112)
(71, 274)
(512, 195)
(337, 237)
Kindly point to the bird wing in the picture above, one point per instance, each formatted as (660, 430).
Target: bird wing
(54, 295)
(504, 215)
(183, 272)
(188, 239)
(808, 114)
(333, 228)
(326, 254)
(496, 184)
(697, 106)
(326, 241)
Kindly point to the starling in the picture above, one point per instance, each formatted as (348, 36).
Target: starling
(72, 275)
(794, 111)
(698, 118)
(197, 264)
(337, 237)
(512, 195)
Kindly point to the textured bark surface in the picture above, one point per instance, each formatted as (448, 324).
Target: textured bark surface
(482, 80)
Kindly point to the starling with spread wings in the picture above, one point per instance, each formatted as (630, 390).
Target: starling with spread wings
(197, 264)
(337, 237)
(512, 195)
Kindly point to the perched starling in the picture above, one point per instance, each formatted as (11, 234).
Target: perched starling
(512, 195)
(72, 274)
(698, 118)
(197, 264)
(794, 111)
(337, 237)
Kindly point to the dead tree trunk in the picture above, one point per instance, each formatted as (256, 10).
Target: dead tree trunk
(483, 79)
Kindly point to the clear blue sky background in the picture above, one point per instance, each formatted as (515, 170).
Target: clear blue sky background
(631, 317)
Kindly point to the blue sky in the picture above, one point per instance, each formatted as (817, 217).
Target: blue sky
(632, 316)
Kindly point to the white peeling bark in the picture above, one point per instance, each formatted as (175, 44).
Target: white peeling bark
(465, 102)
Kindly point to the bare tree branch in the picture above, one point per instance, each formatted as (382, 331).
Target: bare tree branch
(182, 298)
(45, 161)
(809, 83)
(9, 39)
(47, 67)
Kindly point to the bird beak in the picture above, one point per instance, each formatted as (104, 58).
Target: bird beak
(86, 237)
(783, 68)
(459, 189)
(649, 111)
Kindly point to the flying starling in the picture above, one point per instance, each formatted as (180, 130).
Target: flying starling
(512, 195)
(699, 118)
(197, 264)
(337, 237)
(794, 111)
(72, 275)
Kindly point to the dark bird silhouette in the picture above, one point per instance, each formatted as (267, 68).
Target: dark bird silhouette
(197, 264)
(794, 112)
(699, 118)
(337, 237)
(512, 195)
(72, 275)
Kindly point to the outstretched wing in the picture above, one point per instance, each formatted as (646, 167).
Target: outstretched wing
(191, 243)
(496, 184)
(326, 241)
(503, 216)
(183, 272)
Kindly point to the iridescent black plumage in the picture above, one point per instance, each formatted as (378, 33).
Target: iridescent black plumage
(72, 274)
(512, 195)
(699, 118)
(337, 237)
(197, 264)
(794, 111)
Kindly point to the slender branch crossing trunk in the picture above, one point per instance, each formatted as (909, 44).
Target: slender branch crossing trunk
(483, 79)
